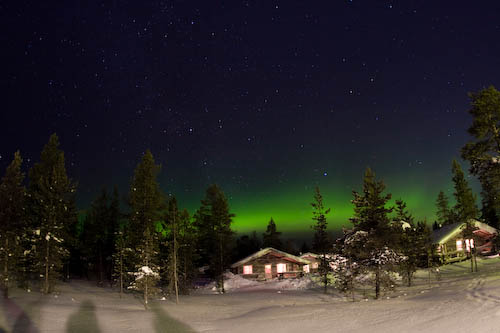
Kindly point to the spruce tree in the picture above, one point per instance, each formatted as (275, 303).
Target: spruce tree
(146, 274)
(113, 226)
(321, 242)
(373, 235)
(443, 213)
(95, 234)
(51, 212)
(490, 204)
(465, 208)
(271, 238)
(413, 243)
(12, 194)
(119, 257)
(246, 245)
(213, 221)
(402, 213)
(468, 235)
(187, 252)
(483, 151)
(146, 202)
(173, 221)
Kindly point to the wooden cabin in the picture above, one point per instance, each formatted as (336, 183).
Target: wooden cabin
(314, 260)
(452, 246)
(270, 263)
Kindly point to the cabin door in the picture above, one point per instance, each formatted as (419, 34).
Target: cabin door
(268, 271)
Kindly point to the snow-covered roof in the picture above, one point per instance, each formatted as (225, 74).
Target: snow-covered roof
(309, 254)
(275, 252)
(443, 234)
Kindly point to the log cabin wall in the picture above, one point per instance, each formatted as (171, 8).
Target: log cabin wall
(258, 267)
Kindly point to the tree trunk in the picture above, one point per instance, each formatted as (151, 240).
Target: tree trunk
(101, 268)
(46, 287)
(475, 260)
(409, 277)
(5, 281)
(175, 265)
(147, 282)
(325, 273)
(221, 267)
(377, 283)
(121, 271)
(146, 293)
(352, 287)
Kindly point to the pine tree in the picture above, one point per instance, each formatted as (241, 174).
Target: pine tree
(12, 194)
(465, 208)
(271, 238)
(490, 204)
(213, 221)
(402, 214)
(95, 235)
(413, 243)
(187, 252)
(304, 248)
(483, 151)
(321, 242)
(146, 202)
(246, 245)
(468, 234)
(52, 213)
(443, 213)
(173, 221)
(119, 257)
(146, 274)
(371, 221)
(113, 226)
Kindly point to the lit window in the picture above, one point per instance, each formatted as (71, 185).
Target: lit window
(472, 243)
(247, 269)
(459, 245)
(306, 268)
(467, 245)
(281, 268)
(315, 265)
(268, 269)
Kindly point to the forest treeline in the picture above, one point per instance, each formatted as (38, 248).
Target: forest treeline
(153, 243)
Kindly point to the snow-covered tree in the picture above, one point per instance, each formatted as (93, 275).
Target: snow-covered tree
(172, 220)
(371, 217)
(12, 194)
(345, 270)
(52, 213)
(321, 242)
(187, 251)
(119, 257)
(147, 272)
(146, 202)
(213, 222)
(414, 245)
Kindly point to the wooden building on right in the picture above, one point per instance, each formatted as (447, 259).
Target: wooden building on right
(452, 246)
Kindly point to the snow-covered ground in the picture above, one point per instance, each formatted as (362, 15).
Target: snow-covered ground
(459, 301)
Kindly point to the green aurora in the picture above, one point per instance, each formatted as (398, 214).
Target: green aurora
(290, 207)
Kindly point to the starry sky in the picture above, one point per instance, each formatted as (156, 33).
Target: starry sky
(266, 98)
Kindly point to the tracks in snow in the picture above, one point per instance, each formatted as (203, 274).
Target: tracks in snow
(477, 291)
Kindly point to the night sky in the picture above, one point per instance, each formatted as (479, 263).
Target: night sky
(266, 98)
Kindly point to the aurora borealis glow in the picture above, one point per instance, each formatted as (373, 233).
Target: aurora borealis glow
(268, 99)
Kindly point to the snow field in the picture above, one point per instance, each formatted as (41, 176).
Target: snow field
(457, 301)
